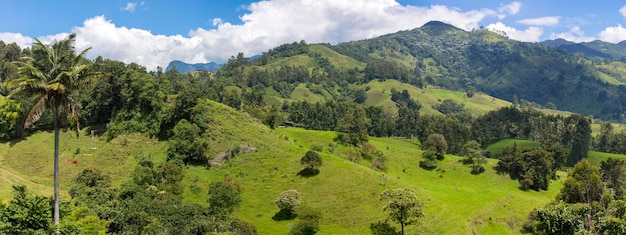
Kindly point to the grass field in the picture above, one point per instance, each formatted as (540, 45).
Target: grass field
(379, 94)
(455, 201)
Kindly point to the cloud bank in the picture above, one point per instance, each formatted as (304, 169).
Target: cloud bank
(269, 24)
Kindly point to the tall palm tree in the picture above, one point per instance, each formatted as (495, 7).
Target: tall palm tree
(52, 75)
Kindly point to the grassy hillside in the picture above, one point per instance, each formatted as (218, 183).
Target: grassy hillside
(346, 193)
(379, 94)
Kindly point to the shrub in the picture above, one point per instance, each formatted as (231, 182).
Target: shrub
(289, 200)
(311, 160)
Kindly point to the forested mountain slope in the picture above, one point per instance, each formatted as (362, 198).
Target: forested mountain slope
(438, 54)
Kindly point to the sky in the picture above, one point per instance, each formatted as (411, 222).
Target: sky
(153, 33)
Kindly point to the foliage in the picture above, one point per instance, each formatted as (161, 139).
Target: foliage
(580, 140)
(224, 196)
(402, 206)
(583, 184)
(26, 214)
(430, 159)
(355, 125)
(474, 155)
(9, 114)
(289, 200)
(532, 167)
(613, 173)
(449, 106)
(53, 76)
(187, 145)
(438, 143)
(383, 228)
(308, 221)
(403, 99)
(311, 160)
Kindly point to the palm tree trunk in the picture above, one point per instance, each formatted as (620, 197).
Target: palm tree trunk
(55, 119)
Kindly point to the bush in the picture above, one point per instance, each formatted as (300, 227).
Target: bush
(383, 228)
(289, 200)
(309, 220)
(311, 160)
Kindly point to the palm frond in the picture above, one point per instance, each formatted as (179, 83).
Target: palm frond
(35, 111)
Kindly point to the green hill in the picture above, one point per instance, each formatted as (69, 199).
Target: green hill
(345, 192)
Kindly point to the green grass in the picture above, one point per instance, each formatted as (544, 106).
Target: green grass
(302, 93)
(31, 159)
(336, 59)
(346, 193)
(498, 146)
(380, 95)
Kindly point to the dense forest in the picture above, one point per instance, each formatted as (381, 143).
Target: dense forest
(117, 98)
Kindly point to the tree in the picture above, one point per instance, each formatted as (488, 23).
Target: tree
(289, 200)
(580, 140)
(312, 160)
(583, 184)
(438, 143)
(53, 75)
(402, 206)
(430, 159)
(474, 154)
(355, 125)
(224, 197)
(613, 173)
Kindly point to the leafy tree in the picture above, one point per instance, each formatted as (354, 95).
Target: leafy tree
(312, 160)
(402, 206)
(289, 200)
(430, 159)
(53, 75)
(9, 115)
(25, 213)
(438, 143)
(355, 125)
(474, 154)
(613, 173)
(583, 184)
(581, 139)
(533, 167)
(449, 106)
(224, 197)
(186, 144)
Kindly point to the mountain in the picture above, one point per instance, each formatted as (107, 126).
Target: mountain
(183, 67)
(594, 49)
(448, 57)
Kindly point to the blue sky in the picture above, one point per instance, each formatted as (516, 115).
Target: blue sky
(152, 33)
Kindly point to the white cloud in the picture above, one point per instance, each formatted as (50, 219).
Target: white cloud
(136, 45)
(541, 21)
(130, 7)
(509, 9)
(575, 34)
(18, 38)
(623, 11)
(269, 24)
(531, 34)
(613, 34)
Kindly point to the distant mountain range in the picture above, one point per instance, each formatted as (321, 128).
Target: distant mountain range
(183, 67)
(594, 49)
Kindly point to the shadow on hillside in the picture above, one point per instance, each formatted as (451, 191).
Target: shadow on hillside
(308, 172)
(284, 215)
